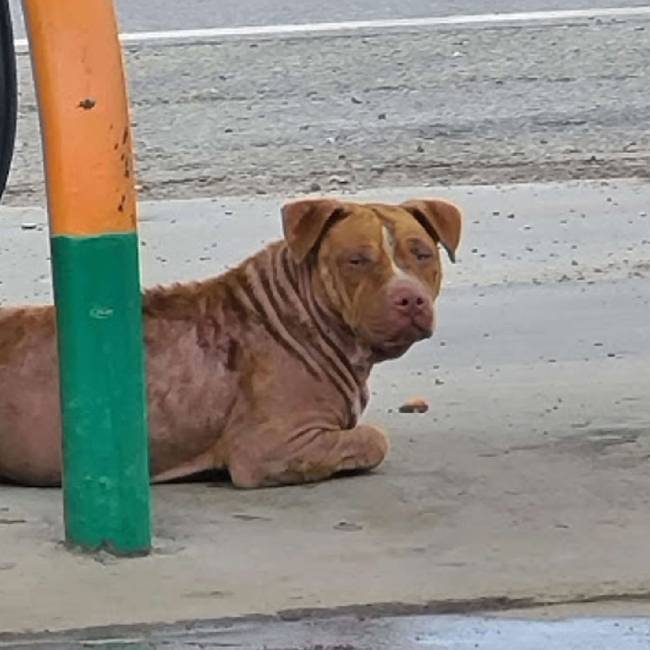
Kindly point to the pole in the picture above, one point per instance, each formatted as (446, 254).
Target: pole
(84, 113)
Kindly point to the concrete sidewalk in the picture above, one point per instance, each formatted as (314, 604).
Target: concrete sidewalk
(526, 484)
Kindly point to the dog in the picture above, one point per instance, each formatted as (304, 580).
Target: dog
(263, 370)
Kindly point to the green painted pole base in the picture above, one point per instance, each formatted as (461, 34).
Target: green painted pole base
(103, 393)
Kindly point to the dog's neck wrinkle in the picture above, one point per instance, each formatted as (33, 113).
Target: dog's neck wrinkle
(209, 302)
(311, 290)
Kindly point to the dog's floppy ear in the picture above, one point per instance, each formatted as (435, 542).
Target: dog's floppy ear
(304, 222)
(441, 219)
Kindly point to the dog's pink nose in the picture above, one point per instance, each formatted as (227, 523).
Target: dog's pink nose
(408, 299)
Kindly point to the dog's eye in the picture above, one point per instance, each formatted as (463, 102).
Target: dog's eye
(422, 255)
(357, 260)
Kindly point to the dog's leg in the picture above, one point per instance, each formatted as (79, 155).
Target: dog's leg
(306, 457)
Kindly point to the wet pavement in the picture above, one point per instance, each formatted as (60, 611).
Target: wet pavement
(351, 633)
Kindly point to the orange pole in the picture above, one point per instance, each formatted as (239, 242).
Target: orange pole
(79, 74)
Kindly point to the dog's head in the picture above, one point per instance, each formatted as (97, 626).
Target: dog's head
(379, 265)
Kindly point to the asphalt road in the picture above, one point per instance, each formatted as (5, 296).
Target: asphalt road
(138, 15)
(343, 112)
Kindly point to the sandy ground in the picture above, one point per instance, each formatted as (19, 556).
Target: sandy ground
(525, 484)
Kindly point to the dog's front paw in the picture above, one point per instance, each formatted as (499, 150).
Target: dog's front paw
(371, 447)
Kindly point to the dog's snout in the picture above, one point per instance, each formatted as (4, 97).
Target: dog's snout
(408, 299)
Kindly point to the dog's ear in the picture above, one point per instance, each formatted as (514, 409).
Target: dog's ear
(441, 219)
(304, 222)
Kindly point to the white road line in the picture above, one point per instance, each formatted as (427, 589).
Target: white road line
(356, 25)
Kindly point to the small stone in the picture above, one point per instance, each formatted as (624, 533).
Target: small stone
(356, 100)
(416, 405)
(419, 148)
(348, 527)
(104, 558)
(381, 116)
(28, 226)
(338, 179)
(315, 187)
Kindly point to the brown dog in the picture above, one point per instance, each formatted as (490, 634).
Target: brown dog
(262, 370)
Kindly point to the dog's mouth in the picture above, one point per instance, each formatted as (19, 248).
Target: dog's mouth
(398, 345)
(386, 352)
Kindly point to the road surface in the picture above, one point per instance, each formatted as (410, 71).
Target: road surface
(141, 15)
(340, 112)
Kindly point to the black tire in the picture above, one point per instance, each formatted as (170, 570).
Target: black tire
(8, 93)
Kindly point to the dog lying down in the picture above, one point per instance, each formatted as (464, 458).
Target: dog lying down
(261, 371)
